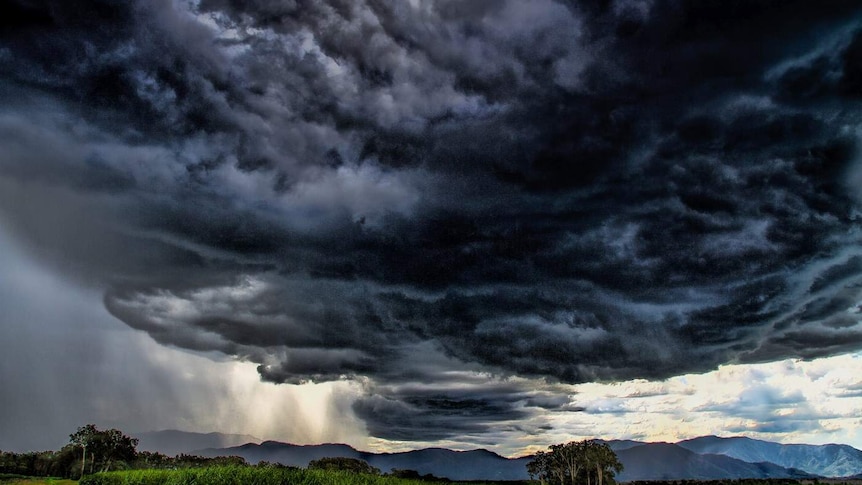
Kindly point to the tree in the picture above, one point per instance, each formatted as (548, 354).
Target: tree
(345, 464)
(540, 467)
(573, 458)
(604, 462)
(106, 448)
(415, 475)
(574, 463)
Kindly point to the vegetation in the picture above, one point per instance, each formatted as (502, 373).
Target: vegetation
(108, 447)
(414, 475)
(343, 464)
(11, 479)
(37, 481)
(41, 463)
(93, 450)
(587, 462)
(746, 481)
(244, 475)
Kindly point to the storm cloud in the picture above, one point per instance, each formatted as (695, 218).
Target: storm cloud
(394, 191)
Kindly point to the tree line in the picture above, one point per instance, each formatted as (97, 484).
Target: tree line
(92, 450)
(356, 465)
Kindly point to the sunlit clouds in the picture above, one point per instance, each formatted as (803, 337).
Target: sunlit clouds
(788, 401)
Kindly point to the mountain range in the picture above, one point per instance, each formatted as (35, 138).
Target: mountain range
(704, 458)
(667, 461)
(441, 462)
(824, 460)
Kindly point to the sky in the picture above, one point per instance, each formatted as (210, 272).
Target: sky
(397, 224)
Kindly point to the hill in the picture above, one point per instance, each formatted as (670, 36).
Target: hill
(705, 458)
(455, 465)
(618, 445)
(642, 461)
(823, 460)
(666, 461)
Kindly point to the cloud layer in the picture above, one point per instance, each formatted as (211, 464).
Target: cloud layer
(398, 192)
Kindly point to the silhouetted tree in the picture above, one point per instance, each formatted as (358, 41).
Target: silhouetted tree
(574, 463)
(415, 475)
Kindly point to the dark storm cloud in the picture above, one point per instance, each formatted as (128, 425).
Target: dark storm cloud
(571, 191)
(458, 404)
(419, 417)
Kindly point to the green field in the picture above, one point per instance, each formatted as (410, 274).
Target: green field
(242, 475)
(246, 475)
(20, 480)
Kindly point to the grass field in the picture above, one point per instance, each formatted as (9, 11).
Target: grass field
(13, 480)
(239, 475)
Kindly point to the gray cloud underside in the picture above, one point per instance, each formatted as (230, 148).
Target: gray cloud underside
(558, 190)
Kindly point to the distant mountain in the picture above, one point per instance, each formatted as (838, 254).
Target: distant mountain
(642, 461)
(707, 458)
(619, 445)
(456, 465)
(284, 453)
(172, 442)
(823, 460)
(666, 461)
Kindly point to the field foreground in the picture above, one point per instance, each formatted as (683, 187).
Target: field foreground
(244, 475)
(14, 480)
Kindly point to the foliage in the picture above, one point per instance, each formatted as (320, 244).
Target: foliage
(587, 462)
(740, 481)
(151, 460)
(17, 480)
(106, 448)
(345, 464)
(39, 463)
(415, 475)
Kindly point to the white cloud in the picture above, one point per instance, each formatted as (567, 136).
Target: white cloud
(809, 400)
